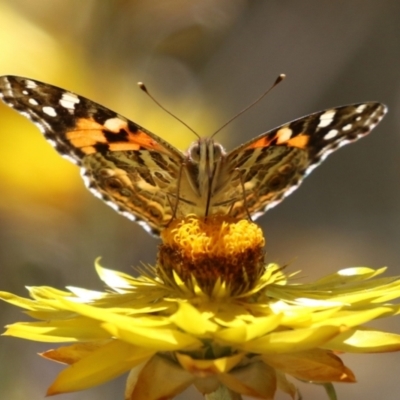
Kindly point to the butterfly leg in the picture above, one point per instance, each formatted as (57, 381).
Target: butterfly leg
(178, 187)
(244, 193)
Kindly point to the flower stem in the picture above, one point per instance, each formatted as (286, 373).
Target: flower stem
(223, 393)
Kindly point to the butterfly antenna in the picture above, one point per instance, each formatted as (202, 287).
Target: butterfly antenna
(278, 80)
(144, 88)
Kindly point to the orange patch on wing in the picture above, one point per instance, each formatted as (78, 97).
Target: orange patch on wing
(134, 141)
(88, 133)
(141, 139)
(262, 142)
(282, 137)
(300, 141)
(89, 149)
(126, 146)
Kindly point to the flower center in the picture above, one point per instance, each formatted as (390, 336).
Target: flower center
(216, 249)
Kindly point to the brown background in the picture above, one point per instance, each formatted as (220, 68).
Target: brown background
(204, 60)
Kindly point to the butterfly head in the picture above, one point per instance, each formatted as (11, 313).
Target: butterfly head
(205, 151)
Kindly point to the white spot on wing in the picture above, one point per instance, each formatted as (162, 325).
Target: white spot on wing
(68, 100)
(50, 111)
(347, 127)
(326, 118)
(30, 84)
(331, 134)
(52, 142)
(377, 114)
(25, 114)
(25, 92)
(284, 134)
(70, 158)
(33, 102)
(360, 108)
(115, 124)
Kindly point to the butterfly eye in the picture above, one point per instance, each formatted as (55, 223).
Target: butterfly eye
(194, 152)
(218, 151)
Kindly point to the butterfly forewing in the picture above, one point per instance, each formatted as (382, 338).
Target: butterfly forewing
(273, 164)
(148, 180)
(122, 163)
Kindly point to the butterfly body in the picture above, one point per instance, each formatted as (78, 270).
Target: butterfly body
(150, 181)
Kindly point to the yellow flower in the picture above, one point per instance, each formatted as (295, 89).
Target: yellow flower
(238, 331)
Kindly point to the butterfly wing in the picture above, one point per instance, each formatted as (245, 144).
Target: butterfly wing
(271, 166)
(137, 173)
(130, 168)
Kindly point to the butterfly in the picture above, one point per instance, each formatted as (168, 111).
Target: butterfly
(149, 181)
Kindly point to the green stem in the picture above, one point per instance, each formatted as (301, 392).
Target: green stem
(223, 393)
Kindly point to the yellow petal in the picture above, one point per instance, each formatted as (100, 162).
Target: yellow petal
(247, 332)
(82, 295)
(72, 354)
(229, 315)
(159, 379)
(113, 279)
(192, 321)
(312, 365)
(59, 330)
(365, 341)
(158, 339)
(21, 302)
(46, 293)
(291, 341)
(354, 318)
(126, 328)
(349, 275)
(99, 366)
(207, 367)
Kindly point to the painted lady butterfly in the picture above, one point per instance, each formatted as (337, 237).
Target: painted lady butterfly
(146, 179)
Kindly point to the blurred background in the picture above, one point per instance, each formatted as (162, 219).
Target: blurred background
(204, 60)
